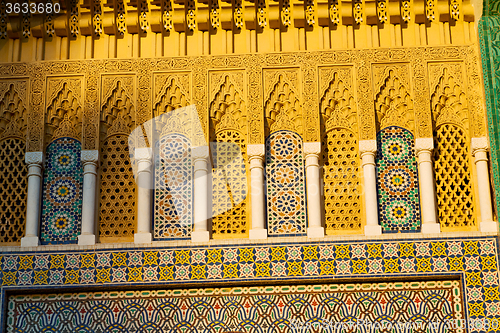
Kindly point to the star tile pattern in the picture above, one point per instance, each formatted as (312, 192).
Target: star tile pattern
(173, 208)
(62, 193)
(286, 203)
(242, 309)
(397, 181)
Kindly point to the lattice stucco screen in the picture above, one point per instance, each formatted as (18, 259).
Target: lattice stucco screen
(245, 309)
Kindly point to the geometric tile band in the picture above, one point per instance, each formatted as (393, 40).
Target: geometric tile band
(62, 193)
(241, 309)
(397, 181)
(286, 204)
(173, 205)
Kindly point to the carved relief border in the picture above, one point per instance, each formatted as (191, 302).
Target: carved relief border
(475, 93)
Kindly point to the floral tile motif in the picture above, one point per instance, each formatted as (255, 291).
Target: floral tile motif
(62, 193)
(397, 181)
(286, 202)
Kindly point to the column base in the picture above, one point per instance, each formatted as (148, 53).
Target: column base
(373, 230)
(200, 236)
(86, 239)
(315, 232)
(30, 241)
(431, 228)
(258, 234)
(488, 226)
(143, 238)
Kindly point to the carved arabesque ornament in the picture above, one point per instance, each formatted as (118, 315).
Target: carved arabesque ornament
(418, 59)
(172, 96)
(282, 108)
(337, 104)
(448, 100)
(393, 103)
(13, 113)
(227, 109)
(118, 109)
(64, 112)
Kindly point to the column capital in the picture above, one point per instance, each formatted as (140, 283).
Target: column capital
(256, 151)
(367, 146)
(34, 157)
(312, 148)
(141, 154)
(200, 153)
(90, 156)
(479, 144)
(422, 144)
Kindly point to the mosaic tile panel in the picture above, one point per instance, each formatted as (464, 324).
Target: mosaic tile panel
(243, 309)
(474, 260)
(173, 205)
(489, 40)
(62, 193)
(285, 180)
(397, 181)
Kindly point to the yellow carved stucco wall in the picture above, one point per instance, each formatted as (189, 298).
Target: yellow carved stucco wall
(323, 69)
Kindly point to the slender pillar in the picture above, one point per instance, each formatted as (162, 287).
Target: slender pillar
(35, 162)
(311, 152)
(200, 233)
(143, 157)
(90, 160)
(255, 154)
(424, 147)
(367, 149)
(479, 151)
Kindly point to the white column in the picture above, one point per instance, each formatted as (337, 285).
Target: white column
(424, 147)
(255, 154)
(143, 157)
(367, 149)
(200, 234)
(311, 152)
(479, 151)
(90, 160)
(35, 162)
